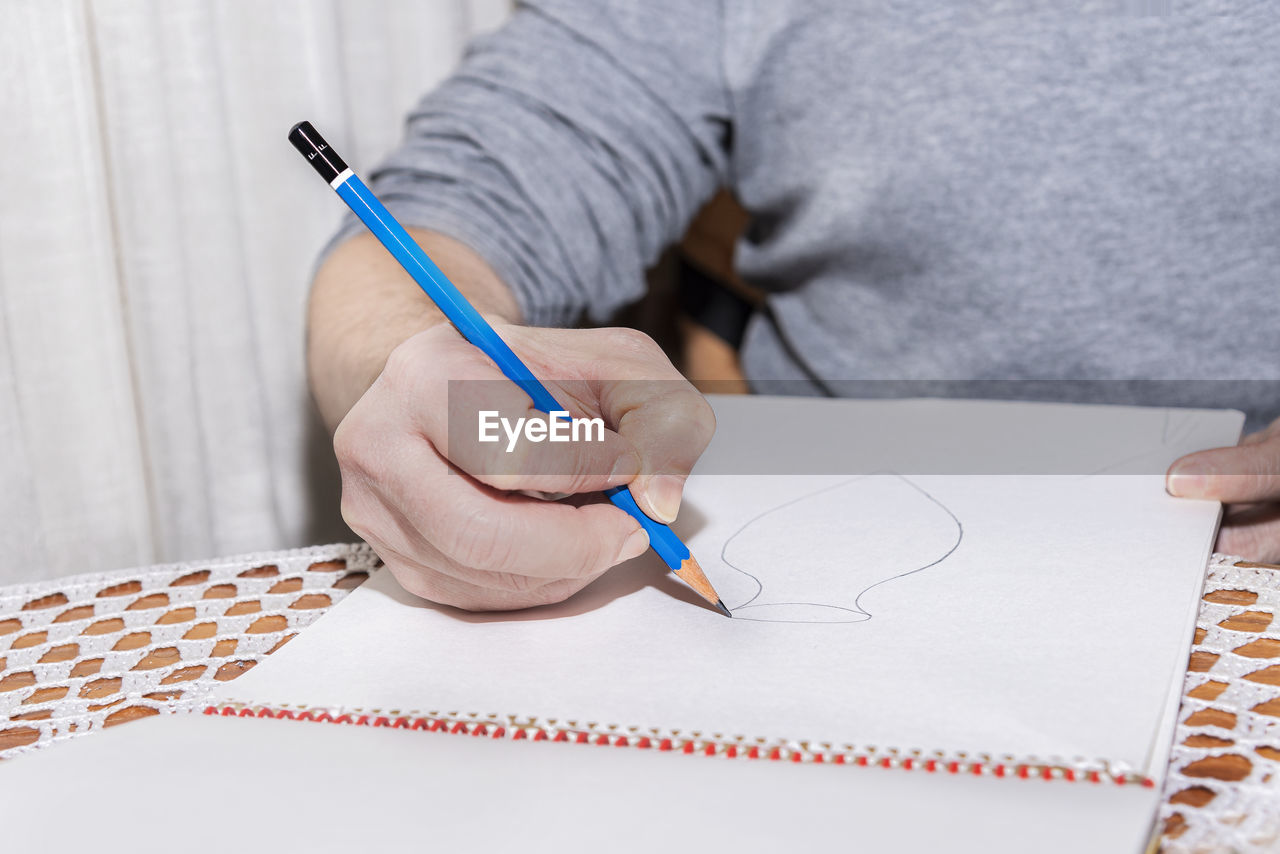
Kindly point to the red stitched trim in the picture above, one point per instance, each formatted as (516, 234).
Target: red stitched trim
(710, 748)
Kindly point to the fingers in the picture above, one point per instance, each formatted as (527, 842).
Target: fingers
(1240, 475)
(498, 437)
(440, 505)
(1246, 473)
(487, 426)
(1251, 532)
(405, 495)
(662, 415)
(490, 595)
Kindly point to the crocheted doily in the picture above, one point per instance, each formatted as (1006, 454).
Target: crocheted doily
(92, 651)
(1222, 792)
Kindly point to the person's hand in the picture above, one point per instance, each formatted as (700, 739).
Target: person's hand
(1247, 478)
(449, 523)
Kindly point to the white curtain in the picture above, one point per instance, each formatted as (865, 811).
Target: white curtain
(157, 233)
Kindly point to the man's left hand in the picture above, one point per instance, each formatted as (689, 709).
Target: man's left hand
(1247, 479)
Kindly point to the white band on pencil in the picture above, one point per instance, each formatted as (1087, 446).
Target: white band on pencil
(342, 176)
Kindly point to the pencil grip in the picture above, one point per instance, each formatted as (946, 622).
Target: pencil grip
(661, 538)
(477, 330)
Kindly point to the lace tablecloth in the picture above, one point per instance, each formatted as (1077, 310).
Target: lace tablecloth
(92, 651)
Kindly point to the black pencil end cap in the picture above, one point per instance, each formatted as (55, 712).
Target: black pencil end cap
(319, 153)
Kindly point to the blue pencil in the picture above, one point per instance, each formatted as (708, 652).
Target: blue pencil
(477, 330)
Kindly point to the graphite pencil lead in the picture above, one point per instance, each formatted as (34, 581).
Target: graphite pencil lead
(690, 573)
(720, 606)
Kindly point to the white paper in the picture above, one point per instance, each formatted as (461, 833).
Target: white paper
(1014, 615)
(211, 784)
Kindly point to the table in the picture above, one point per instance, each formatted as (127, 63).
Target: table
(93, 651)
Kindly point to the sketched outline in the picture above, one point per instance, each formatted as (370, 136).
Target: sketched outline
(857, 608)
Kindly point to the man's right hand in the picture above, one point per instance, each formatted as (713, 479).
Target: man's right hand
(450, 523)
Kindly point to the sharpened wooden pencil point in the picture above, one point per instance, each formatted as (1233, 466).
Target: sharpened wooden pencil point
(691, 574)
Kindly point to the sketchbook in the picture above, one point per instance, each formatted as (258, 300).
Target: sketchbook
(277, 786)
(969, 592)
(1029, 620)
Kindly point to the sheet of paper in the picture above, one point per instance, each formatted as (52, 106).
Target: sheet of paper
(1024, 615)
(210, 784)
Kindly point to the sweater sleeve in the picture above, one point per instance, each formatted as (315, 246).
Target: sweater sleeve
(570, 148)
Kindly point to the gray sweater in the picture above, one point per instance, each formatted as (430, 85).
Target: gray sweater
(971, 190)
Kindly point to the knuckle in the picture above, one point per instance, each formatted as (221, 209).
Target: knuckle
(359, 464)
(624, 341)
(510, 464)
(599, 544)
(421, 366)
(702, 419)
(362, 443)
(403, 365)
(684, 426)
(494, 595)
(417, 583)
(468, 601)
(482, 541)
(447, 591)
(356, 507)
(576, 466)
(346, 440)
(514, 582)
(557, 591)
(582, 472)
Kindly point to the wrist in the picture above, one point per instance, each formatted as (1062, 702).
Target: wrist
(364, 305)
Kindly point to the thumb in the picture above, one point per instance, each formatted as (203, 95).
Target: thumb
(669, 424)
(1246, 473)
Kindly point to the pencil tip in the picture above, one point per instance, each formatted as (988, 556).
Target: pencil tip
(690, 573)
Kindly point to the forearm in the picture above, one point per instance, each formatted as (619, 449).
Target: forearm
(363, 305)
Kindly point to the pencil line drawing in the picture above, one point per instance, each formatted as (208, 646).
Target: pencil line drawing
(812, 559)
